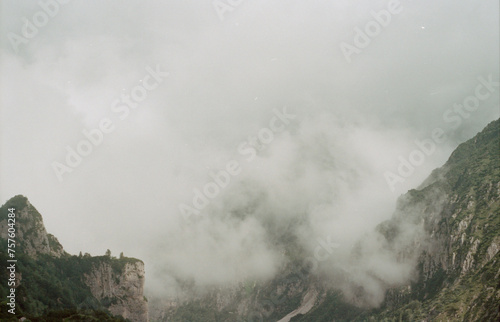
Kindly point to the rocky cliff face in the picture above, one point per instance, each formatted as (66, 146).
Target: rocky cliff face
(122, 289)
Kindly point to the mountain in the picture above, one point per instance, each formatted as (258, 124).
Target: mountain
(457, 254)
(446, 233)
(52, 285)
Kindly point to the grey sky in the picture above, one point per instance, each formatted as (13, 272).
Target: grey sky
(225, 78)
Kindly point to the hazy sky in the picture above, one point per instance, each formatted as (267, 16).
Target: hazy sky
(229, 74)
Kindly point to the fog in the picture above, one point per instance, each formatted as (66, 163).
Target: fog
(330, 126)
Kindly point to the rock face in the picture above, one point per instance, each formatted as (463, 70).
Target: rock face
(123, 290)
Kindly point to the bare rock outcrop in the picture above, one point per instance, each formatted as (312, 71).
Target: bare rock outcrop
(122, 289)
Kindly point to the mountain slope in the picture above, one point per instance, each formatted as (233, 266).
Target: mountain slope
(447, 230)
(52, 283)
(458, 264)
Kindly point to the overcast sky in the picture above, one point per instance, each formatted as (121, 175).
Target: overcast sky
(230, 69)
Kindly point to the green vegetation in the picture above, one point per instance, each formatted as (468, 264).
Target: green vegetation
(52, 284)
(65, 315)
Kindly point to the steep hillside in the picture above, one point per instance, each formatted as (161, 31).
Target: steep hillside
(457, 256)
(52, 283)
(459, 265)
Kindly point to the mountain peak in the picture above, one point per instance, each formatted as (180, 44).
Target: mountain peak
(31, 236)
